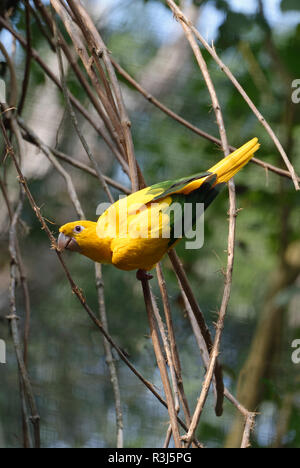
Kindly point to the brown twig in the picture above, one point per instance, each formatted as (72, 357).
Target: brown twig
(172, 338)
(170, 362)
(29, 136)
(25, 418)
(20, 264)
(109, 356)
(73, 285)
(13, 320)
(41, 26)
(189, 125)
(75, 122)
(56, 164)
(6, 199)
(183, 280)
(28, 59)
(205, 357)
(248, 416)
(98, 272)
(105, 111)
(161, 362)
(13, 77)
(99, 49)
(232, 225)
(74, 101)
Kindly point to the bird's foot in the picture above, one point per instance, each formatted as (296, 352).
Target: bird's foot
(142, 275)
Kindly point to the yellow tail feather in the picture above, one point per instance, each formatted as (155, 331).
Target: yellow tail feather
(234, 162)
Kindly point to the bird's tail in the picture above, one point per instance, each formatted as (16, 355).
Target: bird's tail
(234, 162)
(223, 170)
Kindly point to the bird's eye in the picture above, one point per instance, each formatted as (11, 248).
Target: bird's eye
(78, 229)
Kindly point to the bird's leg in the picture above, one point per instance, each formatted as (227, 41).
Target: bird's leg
(142, 275)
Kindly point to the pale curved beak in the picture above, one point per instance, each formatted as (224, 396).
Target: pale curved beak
(66, 242)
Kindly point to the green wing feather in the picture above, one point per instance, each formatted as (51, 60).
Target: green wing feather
(165, 195)
(172, 187)
(161, 190)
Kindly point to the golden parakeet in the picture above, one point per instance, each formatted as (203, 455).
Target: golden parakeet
(136, 232)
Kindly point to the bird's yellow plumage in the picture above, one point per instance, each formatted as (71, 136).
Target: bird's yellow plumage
(136, 231)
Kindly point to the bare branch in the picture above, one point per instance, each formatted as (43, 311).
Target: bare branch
(232, 227)
(76, 125)
(29, 136)
(13, 320)
(28, 59)
(99, 49)
(189, 125)
(161, 362)
(173, 345)
(73, 285)
(109, 356)
(74, 101)
(183, 280)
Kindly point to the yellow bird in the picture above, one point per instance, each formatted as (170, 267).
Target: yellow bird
(137, 231)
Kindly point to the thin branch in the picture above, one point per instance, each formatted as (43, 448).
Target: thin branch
(27, 443)
(169, 359)
(89, 170)
(232, 226)
(74, 101)
(98, 48)
(41, 26)
(189, 125)
(13, 320)
(6, 199)
(161, 362)
(98, 271)
(102, 106)
(56, 164)
(76, 290)
(183, 280)
(249, 426)
(184, 20)
(248, 415)
(76, 125)
(165, 341)
(172, 338)
(28, 59)
(13, 77)
(109, 357)
(29, 136)
(23, 278)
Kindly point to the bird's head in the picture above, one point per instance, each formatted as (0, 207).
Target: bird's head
(79, 236)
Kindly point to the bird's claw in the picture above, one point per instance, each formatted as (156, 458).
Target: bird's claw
(142, 275)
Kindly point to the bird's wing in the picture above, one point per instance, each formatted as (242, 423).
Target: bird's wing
(136, 201)
(179, 186)
(134, 210)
